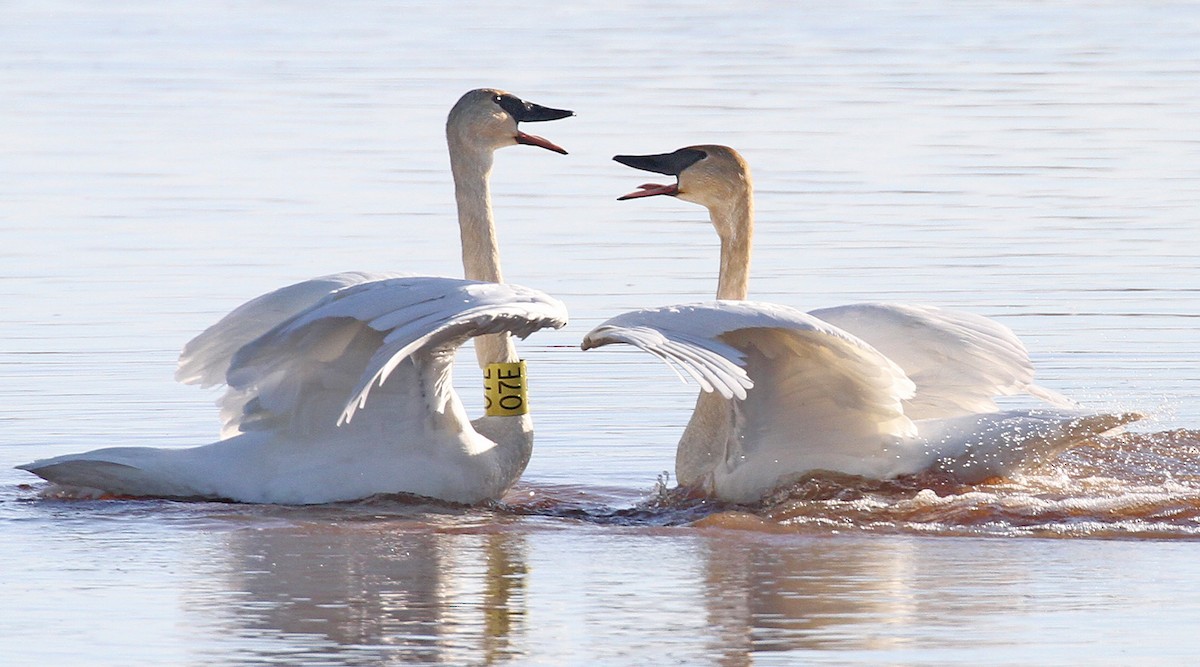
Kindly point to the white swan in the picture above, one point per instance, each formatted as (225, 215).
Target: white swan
(340, 387)
(876, 390)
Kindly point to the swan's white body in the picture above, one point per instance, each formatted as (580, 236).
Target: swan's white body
(340, 388)
(349, 398)
(876, 390)
(788, 394)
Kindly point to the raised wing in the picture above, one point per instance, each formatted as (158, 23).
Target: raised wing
(205, 359)
(318, 368)
(959, 361)
(714, 365)
(807, 392)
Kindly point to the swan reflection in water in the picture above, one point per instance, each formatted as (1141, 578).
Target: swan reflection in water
(866, 570)
(762, 594)
(372, 590)
(442, 588)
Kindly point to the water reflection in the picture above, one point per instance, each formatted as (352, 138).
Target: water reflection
(871, 571)
(870, 600)
(375, 592)
(384, 585)
(399, 592)
(770, 595)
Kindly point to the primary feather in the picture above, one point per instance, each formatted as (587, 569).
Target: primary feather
(960, 362)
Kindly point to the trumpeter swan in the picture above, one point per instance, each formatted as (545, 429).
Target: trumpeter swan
(340, 387)
(876, 390)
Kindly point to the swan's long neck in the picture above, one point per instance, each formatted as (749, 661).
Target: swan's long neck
(707, 438)
(480, 249)
(734, 221)
(513, 436)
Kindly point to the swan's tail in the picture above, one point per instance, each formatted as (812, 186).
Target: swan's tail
(117, 471)
(981, 446)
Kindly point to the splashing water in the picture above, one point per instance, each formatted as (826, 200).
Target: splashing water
(1134, 485)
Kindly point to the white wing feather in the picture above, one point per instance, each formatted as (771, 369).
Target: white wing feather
(791, 370)
(714, 365)
(959, 361)
(205, 359)
(348, 343)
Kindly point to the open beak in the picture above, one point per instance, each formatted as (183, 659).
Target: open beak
(651, 189)
(542, 142)
(528, 112)
(671, 164)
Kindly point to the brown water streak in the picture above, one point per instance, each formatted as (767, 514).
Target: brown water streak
(1135, 485)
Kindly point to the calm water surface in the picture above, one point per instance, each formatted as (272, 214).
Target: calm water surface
(1037, 163)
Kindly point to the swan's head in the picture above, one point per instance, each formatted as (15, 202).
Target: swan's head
(488, 119)
(713, 176)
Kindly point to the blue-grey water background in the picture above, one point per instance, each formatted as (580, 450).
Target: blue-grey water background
(1039, 163)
